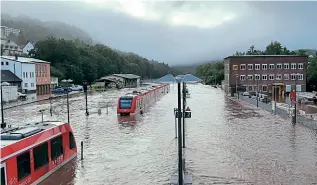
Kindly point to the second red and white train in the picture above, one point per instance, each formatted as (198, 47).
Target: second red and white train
(135, 102)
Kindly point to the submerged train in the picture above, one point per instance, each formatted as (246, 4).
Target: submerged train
(135, 102)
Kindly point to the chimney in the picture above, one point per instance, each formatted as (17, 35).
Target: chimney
(16, 56)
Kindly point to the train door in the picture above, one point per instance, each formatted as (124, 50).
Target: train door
(3, 174)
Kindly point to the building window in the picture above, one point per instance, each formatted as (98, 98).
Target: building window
(56, 147)
(40, 155)
(300, 77)
(250, 88)
(250, 66)
(32, 84)
(257, 66)
(2, 63)
(300, 66)
(264, 77)
(264, 66)
(278, 77)
(250, 77)
(286, 65)
(7, 63)
(271, 66)
(25, 84)
(293, 76)
(242, 66)
(72, 143)
(271, 77)
(278, 66)
(264, 88)
(235, 67)
(286, 76)
(26, 74)
(23, 74)
(23, 165)
(242, 77)
(293, 65)
(257, 77)
(30, 75)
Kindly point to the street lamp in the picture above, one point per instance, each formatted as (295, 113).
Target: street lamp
(237, 76)
(68, 81)
(257, 91)
(3, 124)
(295, 103)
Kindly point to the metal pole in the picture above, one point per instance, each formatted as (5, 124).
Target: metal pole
(274, 99)
(67, 107)
(180, 150)
(87, 113)
(42, 116)
(295, 102)
(175, 127)
(257, 93)
(51, 102)
(2, 116)
(237, 86)
(82, 150)
(184, 102)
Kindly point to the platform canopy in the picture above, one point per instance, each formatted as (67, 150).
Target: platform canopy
(166, 79)
(188, 78)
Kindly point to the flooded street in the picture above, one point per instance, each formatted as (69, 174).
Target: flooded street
(226, 142)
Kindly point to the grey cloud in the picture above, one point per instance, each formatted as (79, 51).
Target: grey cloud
(292, 23)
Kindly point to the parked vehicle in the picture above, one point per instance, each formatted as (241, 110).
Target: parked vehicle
(21, 96)
(76, 87)
(59, 90)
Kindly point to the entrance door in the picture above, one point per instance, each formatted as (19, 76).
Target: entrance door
(3, 174)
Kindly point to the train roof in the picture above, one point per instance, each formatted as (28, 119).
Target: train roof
(143, 90)
(10, 135)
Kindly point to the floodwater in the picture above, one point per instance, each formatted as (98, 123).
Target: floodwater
(226, 142)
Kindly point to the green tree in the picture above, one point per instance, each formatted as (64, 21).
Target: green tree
(76, 60)
(211, 73)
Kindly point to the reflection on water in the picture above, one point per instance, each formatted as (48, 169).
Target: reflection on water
(227, 142)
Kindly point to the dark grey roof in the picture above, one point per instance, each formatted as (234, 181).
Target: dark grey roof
(8, 76)
(127, 76)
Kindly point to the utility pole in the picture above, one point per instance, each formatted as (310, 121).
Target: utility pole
(184, 104)
(3, 124)
(237, 86)
(85, 86)
(67, 106)
(295, 102)
(257, 93)
(180, 149)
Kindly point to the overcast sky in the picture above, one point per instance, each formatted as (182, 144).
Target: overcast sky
(182, 32)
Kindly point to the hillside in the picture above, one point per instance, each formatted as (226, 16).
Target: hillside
(35, 30)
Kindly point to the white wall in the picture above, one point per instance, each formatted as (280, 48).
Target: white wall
(27, 48)
(28, 81)
(10, 93)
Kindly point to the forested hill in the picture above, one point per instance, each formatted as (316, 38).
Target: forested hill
(76, 60)
(35, 30)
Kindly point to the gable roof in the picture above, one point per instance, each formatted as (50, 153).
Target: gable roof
(127, 76)
(25, 59)
(166, 78)
(8, 76)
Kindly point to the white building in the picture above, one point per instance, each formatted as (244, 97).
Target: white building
(25, 70)
(28, 47)
(5, 31)
(54, 82)
(10, 93)
(9, 47)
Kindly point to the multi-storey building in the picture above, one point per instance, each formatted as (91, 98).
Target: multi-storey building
(9, 47)
(263, 72)
(5, 31)
(25, 70)
(35, 73)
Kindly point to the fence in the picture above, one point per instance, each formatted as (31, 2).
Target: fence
(285, 111)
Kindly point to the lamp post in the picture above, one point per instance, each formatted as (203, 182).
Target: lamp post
(85, 84)
(180, 149)
(295, 102)
(68, 81)
(237, 86)
(257, 92)
(184, 104)
(3, 124)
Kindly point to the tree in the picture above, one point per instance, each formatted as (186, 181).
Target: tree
(211, 73)
(79, 61)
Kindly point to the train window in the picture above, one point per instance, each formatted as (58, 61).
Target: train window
(40, 155)
(56, 147)
(72, 143)
(3, 176)
(23, 164)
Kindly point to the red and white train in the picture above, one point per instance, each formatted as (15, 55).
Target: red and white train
(135, 102)
(31, 153)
